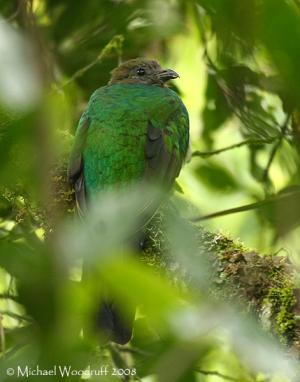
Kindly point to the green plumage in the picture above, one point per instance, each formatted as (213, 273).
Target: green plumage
(114, 151)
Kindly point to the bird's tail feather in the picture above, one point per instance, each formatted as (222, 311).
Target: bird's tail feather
(114, 325)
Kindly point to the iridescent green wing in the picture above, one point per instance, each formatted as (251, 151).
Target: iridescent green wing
(166, 147)
(165, 151)
(75, 168)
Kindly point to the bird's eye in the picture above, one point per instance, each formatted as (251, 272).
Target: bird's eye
(140, 71)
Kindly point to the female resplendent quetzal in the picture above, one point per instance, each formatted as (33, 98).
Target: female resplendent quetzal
(134, 129)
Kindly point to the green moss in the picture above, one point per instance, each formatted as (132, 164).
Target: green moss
(282, 302)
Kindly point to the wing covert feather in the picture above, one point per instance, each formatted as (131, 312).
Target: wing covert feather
(166, 150)
(75, 167)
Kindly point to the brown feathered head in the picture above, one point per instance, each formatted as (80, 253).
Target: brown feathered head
(142, 71)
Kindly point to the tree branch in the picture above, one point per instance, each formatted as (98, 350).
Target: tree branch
(276, 147)
(132, 350)
(247, 207)
(216, 374)
(115, 44)
(14, 315)
(264, 285)
(8, 296)
(205, 154)
(2, 336)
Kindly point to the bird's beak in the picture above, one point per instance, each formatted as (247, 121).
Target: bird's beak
(167, 74)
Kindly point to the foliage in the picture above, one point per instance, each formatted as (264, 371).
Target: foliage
(191, 285)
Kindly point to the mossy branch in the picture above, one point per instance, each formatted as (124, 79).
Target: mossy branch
(266, 284)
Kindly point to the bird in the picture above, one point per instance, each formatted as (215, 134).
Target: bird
(134, 129)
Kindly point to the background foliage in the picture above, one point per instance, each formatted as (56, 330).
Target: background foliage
(239, 65)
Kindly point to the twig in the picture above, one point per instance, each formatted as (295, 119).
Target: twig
(2, 336)
(132, 350)
(114, 44)
(17, 11)
(15, 316)
(216, 374)
(205, 154)
(8, 296)
(247, 207)
(203, 37)
(276, 147)
(234, 101)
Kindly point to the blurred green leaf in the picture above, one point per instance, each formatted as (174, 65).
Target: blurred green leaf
(216, 177)
(284, 214)
(216, 111)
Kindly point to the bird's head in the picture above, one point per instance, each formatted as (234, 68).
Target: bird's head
(142, 71)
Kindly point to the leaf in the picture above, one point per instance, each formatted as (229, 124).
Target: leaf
(20, 87)
(280, 32)
(216, 177)
(137, 285)
(149, 347)
(178, 188)
(216, 110)
(284, 214)
(5, 207)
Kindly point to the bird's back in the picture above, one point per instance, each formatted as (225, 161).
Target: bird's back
(119, 115)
